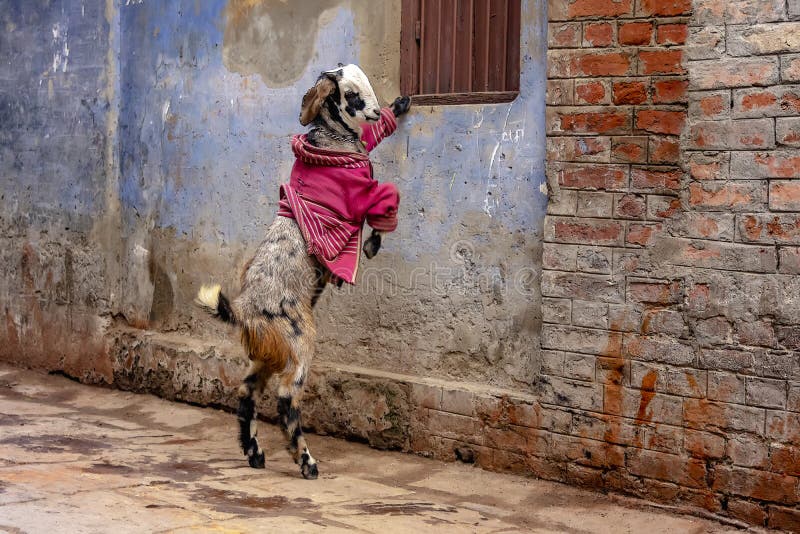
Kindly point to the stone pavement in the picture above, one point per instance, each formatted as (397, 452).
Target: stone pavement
(76, 458)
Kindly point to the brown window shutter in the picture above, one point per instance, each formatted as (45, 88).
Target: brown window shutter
(460, 50)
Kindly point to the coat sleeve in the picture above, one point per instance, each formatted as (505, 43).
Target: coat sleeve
(382, 215)
(375, 132)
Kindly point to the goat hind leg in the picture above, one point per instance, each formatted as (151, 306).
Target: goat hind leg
(290, 394)
(250, 389)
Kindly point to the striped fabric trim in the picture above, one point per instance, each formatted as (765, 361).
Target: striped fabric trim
(380, 130)
(325, 235)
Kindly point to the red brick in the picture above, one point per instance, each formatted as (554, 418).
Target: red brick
(588, 451)
(784, 195)
(590, 122)
(664, 150)
(635, 33)
(587, 63)
(578, 149)
(783, 426)
(703, 445)
(709, 167)
(660, 62)
(747, 451)
(789, 261)
(698, 297)
(756, 333)
(630, 207)
(778, 164)
(592, 92)
(656, 349)
(713, 331)
(745, 134)
(790, 68)
(701, 414)
(564, 35)
(669, 467)
(655, 292)
(725, 387)
(672, 34)
(747, 511)
(734, 72)
(756, 484)
(641, 234)
(629, 149)
(598, 34)
(656, 179)
(582, 286)
(589, 231)
(598, 8)
(738, 196)
(733, 256)
(559, 92)
(611, 177)
(759, 99)
(661, 321)
(670, 91)
(661, 122)
(630, 93)
(710, 105)
(785, 459)
(782, 229)
(784, 518)
(787, 130)
(579, 475)
(664, 207)
(665, 8)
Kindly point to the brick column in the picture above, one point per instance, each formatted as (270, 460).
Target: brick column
(670, 258)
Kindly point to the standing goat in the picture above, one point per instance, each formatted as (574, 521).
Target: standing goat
(316, 239)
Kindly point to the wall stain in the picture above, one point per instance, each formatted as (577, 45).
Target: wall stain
(648, 387)
(276, 39)
(272, 38)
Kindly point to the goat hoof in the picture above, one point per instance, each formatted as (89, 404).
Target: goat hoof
(309, 471)
(256, 460)
(372, 245)
(401, 105)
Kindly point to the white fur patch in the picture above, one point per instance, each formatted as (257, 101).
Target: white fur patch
(208, 296)
(354, 79)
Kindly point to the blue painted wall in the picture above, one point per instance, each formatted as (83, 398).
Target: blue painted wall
(207, 95)
(54, 147)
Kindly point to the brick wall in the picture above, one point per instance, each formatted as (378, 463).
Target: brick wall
(671, 296)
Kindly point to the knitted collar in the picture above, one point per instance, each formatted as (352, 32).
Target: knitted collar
(308, 153)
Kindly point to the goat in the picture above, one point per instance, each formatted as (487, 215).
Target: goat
(312, 241)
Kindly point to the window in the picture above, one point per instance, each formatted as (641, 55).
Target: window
(460, 51)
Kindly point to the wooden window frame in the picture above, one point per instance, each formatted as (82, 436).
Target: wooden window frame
(413, 57)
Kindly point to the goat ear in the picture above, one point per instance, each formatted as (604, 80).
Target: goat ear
(313, 99)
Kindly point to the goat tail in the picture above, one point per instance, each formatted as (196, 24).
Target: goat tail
(211, 299)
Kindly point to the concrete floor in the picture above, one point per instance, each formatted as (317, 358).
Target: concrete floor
(75, 458)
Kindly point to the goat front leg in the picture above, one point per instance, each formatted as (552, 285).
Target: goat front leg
(401, 105)
(372, 245)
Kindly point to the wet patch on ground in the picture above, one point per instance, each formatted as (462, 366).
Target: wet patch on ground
(109, 469)
(11, 420)
(237, 502)
(54, 443)
(405, 508)
(183, 470)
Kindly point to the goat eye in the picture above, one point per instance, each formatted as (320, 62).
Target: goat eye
(349, 94)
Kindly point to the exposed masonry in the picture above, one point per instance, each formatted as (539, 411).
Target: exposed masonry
(670, 309)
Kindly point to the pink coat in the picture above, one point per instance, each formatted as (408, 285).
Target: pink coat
(330, 195)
